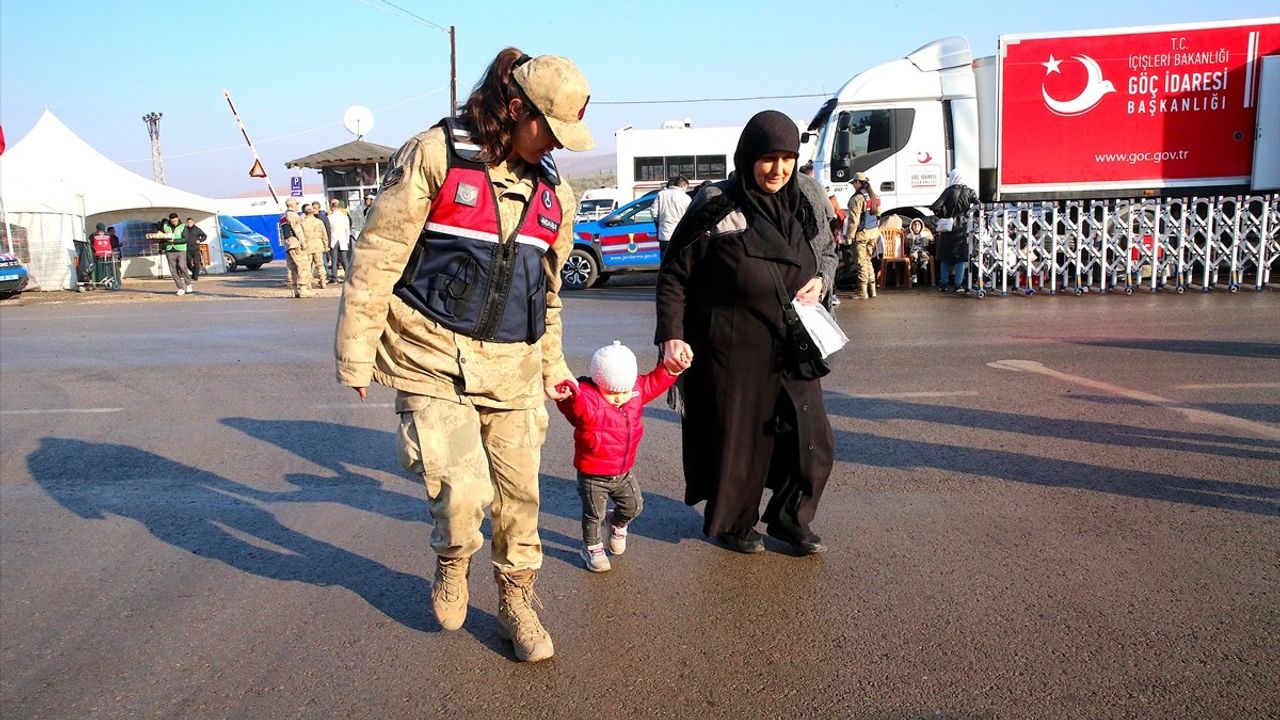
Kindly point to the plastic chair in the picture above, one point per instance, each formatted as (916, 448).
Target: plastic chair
(895, 257)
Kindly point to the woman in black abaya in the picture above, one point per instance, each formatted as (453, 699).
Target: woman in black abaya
(746, 425)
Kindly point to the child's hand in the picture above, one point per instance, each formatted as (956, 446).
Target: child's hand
(566, 389)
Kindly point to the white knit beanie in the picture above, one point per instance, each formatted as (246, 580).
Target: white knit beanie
(613, 368)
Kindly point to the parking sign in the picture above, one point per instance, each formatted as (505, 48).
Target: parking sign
(295, 186)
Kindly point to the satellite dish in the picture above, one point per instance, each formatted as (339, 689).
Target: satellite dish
(358, 120)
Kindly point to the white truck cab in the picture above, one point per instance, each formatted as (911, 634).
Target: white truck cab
(898, 122)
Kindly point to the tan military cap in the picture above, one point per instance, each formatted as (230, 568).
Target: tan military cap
(559, 90)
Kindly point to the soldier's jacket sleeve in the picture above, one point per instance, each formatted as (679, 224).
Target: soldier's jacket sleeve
(856, 202)
(553, 364)
(295, 239)
(412, 179)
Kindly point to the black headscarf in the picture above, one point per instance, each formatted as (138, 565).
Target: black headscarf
(766, 132)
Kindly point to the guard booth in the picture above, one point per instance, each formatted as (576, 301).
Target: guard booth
(349, 171)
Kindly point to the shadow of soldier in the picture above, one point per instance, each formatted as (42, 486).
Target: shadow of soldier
(343, 448)
(198, 511)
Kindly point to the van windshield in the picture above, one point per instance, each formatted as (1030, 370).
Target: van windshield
(233, 226)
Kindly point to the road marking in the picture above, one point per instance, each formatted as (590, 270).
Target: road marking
(1228, 386)
(63, 411)
(916, 394)
(351, 406)
(1194, 414)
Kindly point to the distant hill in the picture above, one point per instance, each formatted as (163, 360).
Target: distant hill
(575, 165)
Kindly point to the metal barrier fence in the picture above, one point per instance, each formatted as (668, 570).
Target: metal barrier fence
(1104, 246)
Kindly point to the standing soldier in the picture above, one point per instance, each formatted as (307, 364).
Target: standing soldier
(294, 243)
(864, 222)
(316, 242)
(455, 304)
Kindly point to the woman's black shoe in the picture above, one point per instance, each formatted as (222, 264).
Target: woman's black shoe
(747, 543)
(803, 542)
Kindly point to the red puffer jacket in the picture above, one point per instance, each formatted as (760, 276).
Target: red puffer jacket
(605, 438)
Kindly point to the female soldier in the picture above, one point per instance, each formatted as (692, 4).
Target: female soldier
(453, 302)
(747, 425)
(864, 222)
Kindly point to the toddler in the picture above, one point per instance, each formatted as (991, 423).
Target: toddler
(605, 412)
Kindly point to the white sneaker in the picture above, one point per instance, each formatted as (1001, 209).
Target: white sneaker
(181, 291)
(617, 535)
(191, 288)
(594, 558)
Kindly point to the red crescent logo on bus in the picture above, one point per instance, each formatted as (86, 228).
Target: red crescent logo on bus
(923, 157)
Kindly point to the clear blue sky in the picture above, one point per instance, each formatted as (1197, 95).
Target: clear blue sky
(295, 66)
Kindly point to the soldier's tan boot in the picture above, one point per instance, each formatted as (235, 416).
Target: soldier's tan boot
(517, 617)
(449, 591)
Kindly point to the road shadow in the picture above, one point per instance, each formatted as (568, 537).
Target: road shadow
(1223, 348)
(1248, 411)
(213, 517)
(1106, 433)
(344, 449)
(879, 451)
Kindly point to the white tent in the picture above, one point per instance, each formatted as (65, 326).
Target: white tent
(54, 184)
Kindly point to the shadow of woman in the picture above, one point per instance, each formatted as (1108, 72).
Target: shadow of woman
(198, 511)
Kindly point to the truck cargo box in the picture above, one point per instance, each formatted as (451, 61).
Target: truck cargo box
(1151, 110)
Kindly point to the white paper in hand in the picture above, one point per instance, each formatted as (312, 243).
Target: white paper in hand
(823, 329)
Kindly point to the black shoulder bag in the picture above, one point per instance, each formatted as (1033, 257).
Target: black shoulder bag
(803, 360)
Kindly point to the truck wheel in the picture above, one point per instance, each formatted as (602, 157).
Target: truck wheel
(229, 261)
(580, 270)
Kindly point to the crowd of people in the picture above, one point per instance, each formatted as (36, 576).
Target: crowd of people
(318, 243)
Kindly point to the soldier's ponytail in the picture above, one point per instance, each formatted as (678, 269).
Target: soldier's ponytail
(485, 112)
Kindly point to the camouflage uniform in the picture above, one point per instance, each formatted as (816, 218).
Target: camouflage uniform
(296, 256)
(864, 242)
(472, 419)
(316, 243)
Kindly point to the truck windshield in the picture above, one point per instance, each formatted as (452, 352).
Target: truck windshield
(593, 206)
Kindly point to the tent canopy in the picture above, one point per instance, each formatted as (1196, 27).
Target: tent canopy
(52, 169)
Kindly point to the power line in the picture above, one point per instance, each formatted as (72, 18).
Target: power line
(403, 14)
(702, 100)
(286, 136)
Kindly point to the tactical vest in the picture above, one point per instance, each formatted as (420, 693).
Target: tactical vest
(870, 219)
(462, 273)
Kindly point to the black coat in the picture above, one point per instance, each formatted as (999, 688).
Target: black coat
(954, 203)
(715, 292)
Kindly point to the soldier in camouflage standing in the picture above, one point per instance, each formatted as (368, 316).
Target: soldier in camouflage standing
(294, 243)
(316, 243)
(864, 226)
(455, 304)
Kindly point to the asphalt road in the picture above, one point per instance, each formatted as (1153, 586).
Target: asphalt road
(1041, 508)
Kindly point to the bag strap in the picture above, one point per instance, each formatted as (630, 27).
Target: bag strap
(788, 310)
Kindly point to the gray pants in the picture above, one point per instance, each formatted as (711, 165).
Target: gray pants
(597, 490)
(341, 258)
(178, 268)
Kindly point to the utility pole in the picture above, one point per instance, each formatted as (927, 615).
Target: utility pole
(157, 161)
(453, 72)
